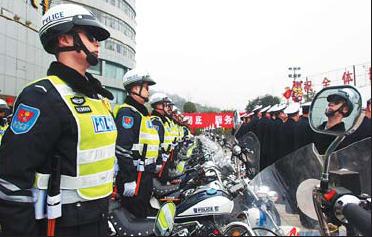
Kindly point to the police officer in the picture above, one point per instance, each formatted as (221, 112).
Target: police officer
(280, 118)
(260, 128)
(245, 126)
(303, 134)
(363, 131)
(267, 137)
(255, 119)
(4, 110)
(339, 107)
(286, 131)
(137, 144)
(61, 130)
(159, 101)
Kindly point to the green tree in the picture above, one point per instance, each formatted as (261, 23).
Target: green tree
(264, 101)
(227, 111)
(189, 107)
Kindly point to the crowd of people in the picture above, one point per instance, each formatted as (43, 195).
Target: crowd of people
(282, 129)
(65, 148)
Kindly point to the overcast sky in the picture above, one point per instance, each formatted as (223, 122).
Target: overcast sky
(223, 53)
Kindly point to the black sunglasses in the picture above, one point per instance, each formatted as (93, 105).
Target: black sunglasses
(89, 36)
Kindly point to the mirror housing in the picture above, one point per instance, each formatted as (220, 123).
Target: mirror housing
(164, 222)
(336, 106)
(236, 120)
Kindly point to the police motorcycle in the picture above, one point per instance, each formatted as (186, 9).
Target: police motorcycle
(214, 195)
(341, 200)
(122, 222)
(302, 207)
(199, 171)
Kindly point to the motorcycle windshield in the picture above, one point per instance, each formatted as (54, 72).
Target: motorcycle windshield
(250, 147)
(268, 204)
(357, 157)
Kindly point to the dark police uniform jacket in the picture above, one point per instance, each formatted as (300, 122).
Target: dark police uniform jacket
(50, 130)
(286, 137)
(362, 132)
(322, 141)
(274, 142)
(303, 133)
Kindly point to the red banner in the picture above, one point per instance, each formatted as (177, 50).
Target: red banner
(206, 120)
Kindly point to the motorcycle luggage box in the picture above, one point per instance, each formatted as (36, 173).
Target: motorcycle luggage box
(207, 202)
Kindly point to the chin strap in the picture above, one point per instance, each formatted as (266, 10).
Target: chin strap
(139, 94)
(78, 45)
(332, 113)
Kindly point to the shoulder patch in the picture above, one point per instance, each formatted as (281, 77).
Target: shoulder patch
(127, 122)
(24, 119)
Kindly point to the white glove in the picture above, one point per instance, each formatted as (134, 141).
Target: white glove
(129, 189)
(165, 157)
(158, 168)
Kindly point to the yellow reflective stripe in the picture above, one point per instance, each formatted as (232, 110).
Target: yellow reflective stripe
(97, 191)
(100, 166)
(180, 166)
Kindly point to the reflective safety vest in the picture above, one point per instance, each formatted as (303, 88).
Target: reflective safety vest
(2, 131)
(148, 135)
(190, 150)
(181, 132)
(177, 131)
(173, 129)
(95, 148)
(168, 135)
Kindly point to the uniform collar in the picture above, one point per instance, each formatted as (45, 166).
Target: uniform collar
(141, 108)
(162, 117)
(87, 85)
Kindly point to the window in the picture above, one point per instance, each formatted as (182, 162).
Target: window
(119, 95)
(96, 70)
(114, 71)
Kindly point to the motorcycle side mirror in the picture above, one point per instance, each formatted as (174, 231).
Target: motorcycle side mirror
(236, 121)
(164, 222)
(336, 110)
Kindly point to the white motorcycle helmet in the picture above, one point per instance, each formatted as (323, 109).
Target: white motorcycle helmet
(136, 77)
(157, 98)
(64, 18)
(4, 106)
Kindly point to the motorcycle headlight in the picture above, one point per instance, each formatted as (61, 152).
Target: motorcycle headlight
(273, 196)
(262, 192)
(236, 150)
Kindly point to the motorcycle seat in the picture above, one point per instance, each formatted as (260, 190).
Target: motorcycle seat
(125, 223)
(160, 190)
(183, 157)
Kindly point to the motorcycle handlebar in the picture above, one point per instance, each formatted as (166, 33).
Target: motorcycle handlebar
(359, 218)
